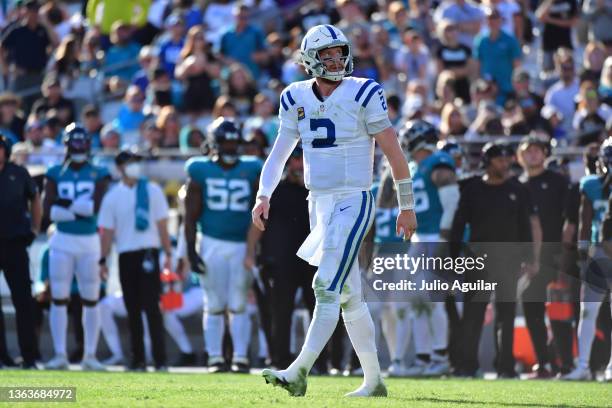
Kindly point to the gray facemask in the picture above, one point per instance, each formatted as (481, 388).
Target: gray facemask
(78, 157)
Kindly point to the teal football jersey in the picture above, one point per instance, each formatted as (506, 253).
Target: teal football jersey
(592, 187)
(77, 183)
(227, 196)
(427, 204)
(385, 222)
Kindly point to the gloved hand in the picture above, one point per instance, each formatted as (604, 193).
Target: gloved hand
(197, 264)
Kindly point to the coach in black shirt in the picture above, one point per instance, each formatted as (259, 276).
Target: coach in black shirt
(497, 209)
(548, 191)
(282, 271)
(20, 214)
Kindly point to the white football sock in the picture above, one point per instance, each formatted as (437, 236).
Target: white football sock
(213, 334)
(322, 326)
(58, 322)
(240, 329)
(360, 328)
(91, 329)
(176, 330)
(109, 330)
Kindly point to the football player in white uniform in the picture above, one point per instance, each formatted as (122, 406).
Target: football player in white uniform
(337, 118)
(73, 192)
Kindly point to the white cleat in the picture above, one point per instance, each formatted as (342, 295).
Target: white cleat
(295, 388)
(90, 363)
(416, 370)
(578, 374)
(437, 369)
(113, 360)
(379, 390)
(396, 369)
(59, 362)
(608, 375)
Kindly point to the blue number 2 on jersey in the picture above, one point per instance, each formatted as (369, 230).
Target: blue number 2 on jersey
(331, 133)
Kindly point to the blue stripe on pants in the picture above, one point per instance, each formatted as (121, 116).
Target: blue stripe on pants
(363, 231)
(349, 242)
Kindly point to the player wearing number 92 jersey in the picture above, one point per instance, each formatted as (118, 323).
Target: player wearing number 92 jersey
(337, 118)
(73, 192)
(220, 193)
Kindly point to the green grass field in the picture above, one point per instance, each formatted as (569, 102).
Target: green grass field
(229, 391)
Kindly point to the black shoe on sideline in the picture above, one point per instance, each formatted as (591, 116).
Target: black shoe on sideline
(217, 367)
(186, 360)
(29, 365)
(137, 367)
(7, 361)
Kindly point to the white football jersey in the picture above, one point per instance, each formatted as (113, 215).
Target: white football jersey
(338, 151)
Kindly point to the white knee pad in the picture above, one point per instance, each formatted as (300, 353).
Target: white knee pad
(237, 302)
(216, 301)
(88, 277)
(61, 271)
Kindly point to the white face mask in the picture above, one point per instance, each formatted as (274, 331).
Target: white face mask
(229, 158)
(78, 158)
(133, 170)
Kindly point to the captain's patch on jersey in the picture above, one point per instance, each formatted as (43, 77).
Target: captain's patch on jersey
(300, 112)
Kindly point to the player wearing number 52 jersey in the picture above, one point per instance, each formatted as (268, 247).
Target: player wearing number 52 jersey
(337, 118)
(220, 193)
(73, 192)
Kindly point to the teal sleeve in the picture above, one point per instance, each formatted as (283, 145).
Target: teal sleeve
(51, 173)
(44, 265)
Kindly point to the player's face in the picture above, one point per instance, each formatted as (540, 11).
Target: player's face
(499, 166)
(532, 156)
(332, 58)
(228, 148)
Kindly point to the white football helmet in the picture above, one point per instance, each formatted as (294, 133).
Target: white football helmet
(319, 38)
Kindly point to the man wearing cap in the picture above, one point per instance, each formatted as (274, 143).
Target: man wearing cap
(135, 213)
(20, 216)
(498, 53)
(25, 49)
(549, 191)
(497, 208)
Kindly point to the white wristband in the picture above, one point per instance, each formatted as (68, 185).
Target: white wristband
(405, 196)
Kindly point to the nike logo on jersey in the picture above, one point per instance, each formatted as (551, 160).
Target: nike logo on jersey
(342, 209)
